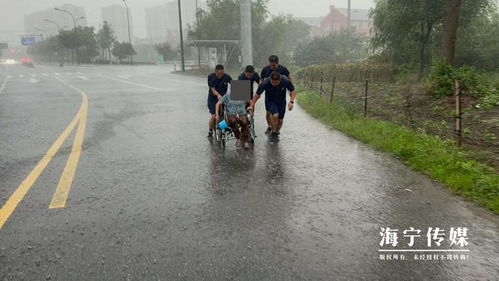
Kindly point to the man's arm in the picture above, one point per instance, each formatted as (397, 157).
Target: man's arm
(292, 96)
(287, 74)
(216, 93)
(217, 109)
(254, 100)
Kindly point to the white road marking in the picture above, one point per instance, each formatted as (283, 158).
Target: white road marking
(82, 77)
(8, 76)
(33, 80)
(133, 83)
(21, 76)
(79, 73)
(57, 74)
(33, 75)
(4, 83)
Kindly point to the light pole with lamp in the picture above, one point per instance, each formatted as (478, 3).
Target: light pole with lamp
(74, 25)
(129, 35)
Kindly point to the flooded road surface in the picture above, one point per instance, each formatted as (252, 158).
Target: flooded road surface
(153, 199)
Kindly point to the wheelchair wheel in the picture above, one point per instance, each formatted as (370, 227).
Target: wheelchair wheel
(218, 135)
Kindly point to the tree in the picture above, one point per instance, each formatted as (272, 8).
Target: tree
(105, 39)
(86, 44)
(123, 50)
(165, 50)
(407, 30)
(404, 28)
(69, 41)
(281, 35)
(451, 25)
(213, 23)
(341, 47)
(478, 43)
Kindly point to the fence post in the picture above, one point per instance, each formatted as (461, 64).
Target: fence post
(365, 97)
(311, 79)
(322, 81)
(332, 89)
(458, 117)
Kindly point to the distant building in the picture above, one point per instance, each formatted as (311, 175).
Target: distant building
(337, 19)
(156, 24)
(35, 23)
(162, 20)
(116, 17)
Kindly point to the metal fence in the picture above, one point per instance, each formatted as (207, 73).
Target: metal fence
(373, 93)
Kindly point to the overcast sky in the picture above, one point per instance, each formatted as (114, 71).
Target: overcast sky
(12, 11)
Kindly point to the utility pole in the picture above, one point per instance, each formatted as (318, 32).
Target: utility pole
(181, 36)
(246, 33)
(199, 48)
(349, 13)
(129, 34)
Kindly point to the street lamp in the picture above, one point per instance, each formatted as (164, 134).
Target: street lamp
(67, 12)
(129, 35)
(80, 18)
(53, 22)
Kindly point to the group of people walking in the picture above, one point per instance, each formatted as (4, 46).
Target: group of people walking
(274, 80)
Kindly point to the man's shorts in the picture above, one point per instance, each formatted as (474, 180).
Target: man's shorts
(212, 104)
(212, 108)
(276, 107)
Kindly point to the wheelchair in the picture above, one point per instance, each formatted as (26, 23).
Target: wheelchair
(240, 90)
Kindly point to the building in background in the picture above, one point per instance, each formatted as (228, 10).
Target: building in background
(116, 17)
(35, 23)
(162, 20)
(337, 19)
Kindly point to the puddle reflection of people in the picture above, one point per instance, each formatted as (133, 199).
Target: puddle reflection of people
(230, 169)
(274, 165)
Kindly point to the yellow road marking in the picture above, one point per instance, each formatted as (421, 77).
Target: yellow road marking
(61, 194)
(18, 195)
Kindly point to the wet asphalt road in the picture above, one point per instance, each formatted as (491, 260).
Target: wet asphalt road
(153, 199)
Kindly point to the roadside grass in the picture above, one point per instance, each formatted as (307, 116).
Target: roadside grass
(430, 154)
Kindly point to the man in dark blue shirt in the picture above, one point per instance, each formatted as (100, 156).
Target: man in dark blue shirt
(275, 89)
(218, 83)
(267, 70)
(274, 66)
(250, 74)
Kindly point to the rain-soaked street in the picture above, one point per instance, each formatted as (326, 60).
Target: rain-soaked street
(153, 199)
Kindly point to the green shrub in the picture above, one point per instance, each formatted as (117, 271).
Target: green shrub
(442, 76)
(438, 158)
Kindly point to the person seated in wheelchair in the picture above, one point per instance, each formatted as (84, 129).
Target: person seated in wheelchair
(235, 113)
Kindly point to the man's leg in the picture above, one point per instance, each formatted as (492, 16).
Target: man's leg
(233, 123)
(243, 122)
(279, 125)
(282, 112)
(212, 121)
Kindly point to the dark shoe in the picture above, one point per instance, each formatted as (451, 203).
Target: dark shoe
(274, 137)
(269, 130)
(210, 134)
